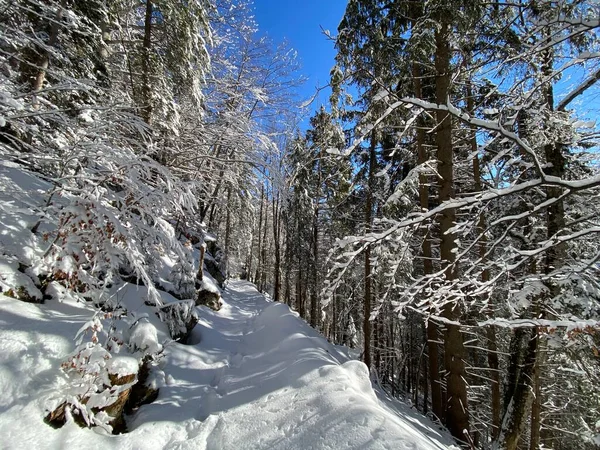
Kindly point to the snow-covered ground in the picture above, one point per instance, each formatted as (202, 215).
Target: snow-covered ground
(254, 377)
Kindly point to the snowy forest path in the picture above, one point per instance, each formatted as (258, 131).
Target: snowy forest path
(256, 376)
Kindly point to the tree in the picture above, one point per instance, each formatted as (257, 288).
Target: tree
(324, 181)
(503, 224)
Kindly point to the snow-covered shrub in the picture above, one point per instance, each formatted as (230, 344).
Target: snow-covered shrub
(180, 317)
(105, 218)
(183, 278)
(106, 373)
(14, 282)
(143, 338)
(96, 380)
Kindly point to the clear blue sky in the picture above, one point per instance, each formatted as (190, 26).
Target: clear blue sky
(300, 22)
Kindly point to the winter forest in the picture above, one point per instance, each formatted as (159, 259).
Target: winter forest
(437, 219)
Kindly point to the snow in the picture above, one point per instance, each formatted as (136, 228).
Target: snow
(86, 116)
(123, 365)
(256, 376)
(19, 191)
(209, 284)
(11, 277)
(144, 337)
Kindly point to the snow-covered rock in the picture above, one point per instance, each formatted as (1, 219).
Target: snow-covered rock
(122, 366)
(213, 263)
(208, 294)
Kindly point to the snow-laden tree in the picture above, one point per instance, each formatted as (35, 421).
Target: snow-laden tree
(510, 177)
(249, 107)
(163, 51)
(109, 216)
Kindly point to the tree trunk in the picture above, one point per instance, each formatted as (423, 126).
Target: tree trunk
(493, 363)
(536, 409)
(277, 243)
(377, 343)
(299, 295)
(263, 254)
(555, 256)
(249, 258)
(41, 57)
(200, 274)
(259, 249)
(314, 297)
(492, 355)
(457, 418)
(288, 268)
(334, 318)
(426, 384)
(432, 329)
(520, 389)
(368, 219)
(228, 231)
(146, 65)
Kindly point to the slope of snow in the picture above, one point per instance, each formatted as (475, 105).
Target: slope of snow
(256, 376)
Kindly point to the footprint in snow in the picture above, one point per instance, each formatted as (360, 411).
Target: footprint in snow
(221, 391)
(377, 433)
(288, 430)
(193, 428)
(197, 434)
(208, 404)
(236, 360)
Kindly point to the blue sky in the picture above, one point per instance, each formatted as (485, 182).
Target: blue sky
(300, 22)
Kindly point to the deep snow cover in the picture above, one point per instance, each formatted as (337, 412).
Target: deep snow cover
(255, 376)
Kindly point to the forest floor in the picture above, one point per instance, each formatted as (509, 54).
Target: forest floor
(254, 377)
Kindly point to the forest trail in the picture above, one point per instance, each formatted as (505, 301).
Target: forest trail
(259, 377)
(255, 376)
